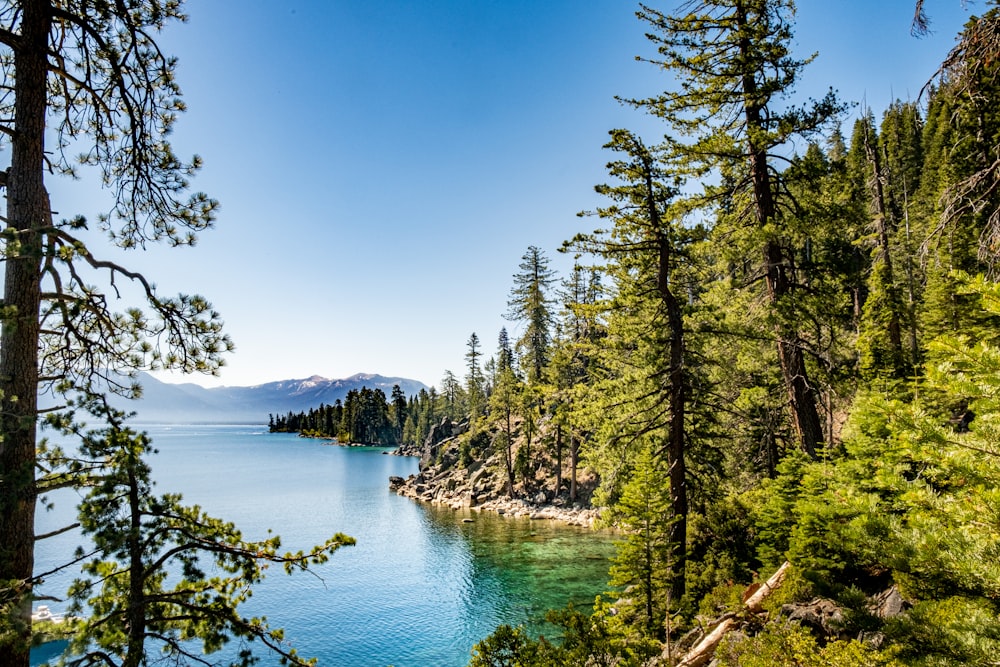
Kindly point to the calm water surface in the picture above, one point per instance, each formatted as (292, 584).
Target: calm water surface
(419, 588)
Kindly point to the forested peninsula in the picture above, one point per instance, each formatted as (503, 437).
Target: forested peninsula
(779, 344)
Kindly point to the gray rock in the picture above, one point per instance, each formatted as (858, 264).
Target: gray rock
(821, 615)
(888, 604)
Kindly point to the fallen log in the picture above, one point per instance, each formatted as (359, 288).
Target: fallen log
(705, 649)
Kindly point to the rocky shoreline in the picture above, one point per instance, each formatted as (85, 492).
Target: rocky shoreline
(428, 491)
(479, 484)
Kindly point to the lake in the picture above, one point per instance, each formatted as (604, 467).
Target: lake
(419, 588)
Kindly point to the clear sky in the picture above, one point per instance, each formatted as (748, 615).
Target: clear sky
(382, 165)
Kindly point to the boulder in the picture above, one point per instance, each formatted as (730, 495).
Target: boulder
(821, 615)
(888, 604)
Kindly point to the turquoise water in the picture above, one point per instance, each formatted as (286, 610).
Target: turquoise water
(419, 588)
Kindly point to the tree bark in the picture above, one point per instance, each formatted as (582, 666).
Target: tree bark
(27, 212)
(801, 395)
(574, 452)
(137, 595)
(677, 394)
(558, 458)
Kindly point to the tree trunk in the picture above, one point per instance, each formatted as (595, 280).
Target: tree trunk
(137, 595)
(558, 458)
(882, 224)
(27, 212)
(509, 459)
(703, 651)
(801, 396)
(574, 451)
(677, 396)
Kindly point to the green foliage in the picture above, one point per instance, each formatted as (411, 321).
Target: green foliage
(878, 354)
(951, 631)
(722, 545)
(508, 647)
(792, 646)
(87, 88)
(585, 640)
(530, 303)
(642, 568)
(803, 323)
(503, 406)
(365, 417)
(475, 386)
(164, 577)
(914, 502)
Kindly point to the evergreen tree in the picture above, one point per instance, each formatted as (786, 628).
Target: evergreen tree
(904, 505)
(574, 359)
(733, 64)
(505, 354)
(643, 564)
(91, 78)
(503, 407)
(901, 142)
(397, 411)
(452, 393)
(645, 251)
(970, 79)
(949, 238)
(147, 590)
(880, 335)
(530, 304)
(474, 379)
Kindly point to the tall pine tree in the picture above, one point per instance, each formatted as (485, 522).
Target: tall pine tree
(733, 65)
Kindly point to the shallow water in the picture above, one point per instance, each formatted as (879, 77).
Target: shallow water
(419, 588)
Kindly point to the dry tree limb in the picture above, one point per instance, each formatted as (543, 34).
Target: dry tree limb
(705, 649)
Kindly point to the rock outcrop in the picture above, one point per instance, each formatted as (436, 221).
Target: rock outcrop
(480, 484)
(824, 617)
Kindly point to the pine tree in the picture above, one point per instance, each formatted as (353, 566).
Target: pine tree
(880, 336)
(452, 394)
(530, 304)
(733, 64)
(643, 564)
(397, 412)
(474, 379)
(147, 590)
(970, 77)
(646, 255)
(91, 78)
(503, 408)
(573, 362)
(901, 142)
(505, 354)
(905, 504)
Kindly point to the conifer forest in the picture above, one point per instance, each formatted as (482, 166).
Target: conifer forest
(777, 354)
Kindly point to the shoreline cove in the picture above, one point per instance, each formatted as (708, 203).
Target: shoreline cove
(435, 491)
(454, 578)
(441, 488)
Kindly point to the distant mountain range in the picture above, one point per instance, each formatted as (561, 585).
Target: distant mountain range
(193, 404)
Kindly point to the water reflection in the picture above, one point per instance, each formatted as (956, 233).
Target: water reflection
(421, 586)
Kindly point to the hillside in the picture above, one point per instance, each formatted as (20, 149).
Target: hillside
(191, 403)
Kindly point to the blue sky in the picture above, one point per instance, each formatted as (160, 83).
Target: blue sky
(383, 165)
